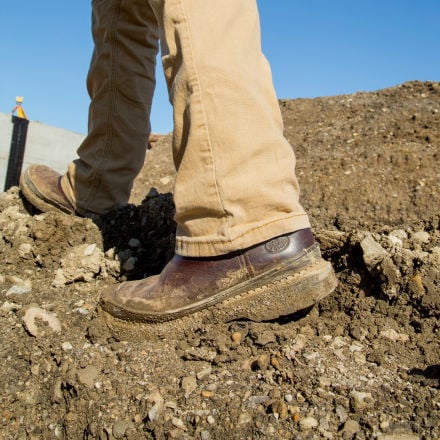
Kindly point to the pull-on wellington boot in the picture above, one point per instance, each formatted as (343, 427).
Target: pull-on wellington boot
(275, 278)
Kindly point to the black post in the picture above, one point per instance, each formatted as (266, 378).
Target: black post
(16, 153)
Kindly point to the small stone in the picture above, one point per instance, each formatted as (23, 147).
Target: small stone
(207, 394)
(87, 376)
(18, 290)
(35, 314)
(134, 243)
(341, 413)
(399, 233)
(205, 435)
(351, 427)
(10, 307)
(129, 264)
(165, 180)
(308, 423)
(361, 400)
(394, 336)
(236, 338)
(66, 346)
(188, 385)
(88, 251)
(157, 408)
(421, 237)
(210, 419)
(244, 418)
(373, 252)
(204, 373)
(178, 423)
(119, 428)
(288, 398)
(262, 362)
(24, 249)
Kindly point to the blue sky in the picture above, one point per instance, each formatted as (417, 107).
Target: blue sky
(315, 47)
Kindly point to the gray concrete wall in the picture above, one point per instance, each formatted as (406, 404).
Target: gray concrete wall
(51, 146)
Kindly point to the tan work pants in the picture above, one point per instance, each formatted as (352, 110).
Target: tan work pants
(235, 184)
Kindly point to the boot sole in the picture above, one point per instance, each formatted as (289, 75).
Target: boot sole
(263, 302)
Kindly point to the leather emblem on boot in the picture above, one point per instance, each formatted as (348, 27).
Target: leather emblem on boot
(277, 245)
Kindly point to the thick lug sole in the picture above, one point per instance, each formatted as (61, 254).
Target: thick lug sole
(261, 301)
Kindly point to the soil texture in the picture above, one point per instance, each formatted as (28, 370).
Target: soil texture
(362, 364)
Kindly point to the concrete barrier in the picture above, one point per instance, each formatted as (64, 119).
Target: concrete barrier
(47, 145)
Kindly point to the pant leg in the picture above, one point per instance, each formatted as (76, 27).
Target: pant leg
(236, 183)
(121, 83)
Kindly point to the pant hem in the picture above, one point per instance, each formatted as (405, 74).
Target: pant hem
(203, 247)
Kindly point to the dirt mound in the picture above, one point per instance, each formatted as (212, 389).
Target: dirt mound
(365, 363)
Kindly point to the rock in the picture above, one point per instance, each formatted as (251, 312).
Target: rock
(31, 320)
(178, 423)
(82, 263)
(157, 408)
(119, 428)
(236, 338)
(308, 423)
(350, 429)
(188, 385)
(421, 237)
(87, 376)
(373, 252)
(66, 346)
(204, 373)
(18, 290)
(244, 418)
(394, 336)
(134, 243)
(360, 400)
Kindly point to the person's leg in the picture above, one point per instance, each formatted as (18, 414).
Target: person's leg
(244, 247)
(121, 83)
(236, 183)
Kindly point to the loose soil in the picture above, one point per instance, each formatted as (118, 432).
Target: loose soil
(362, 364)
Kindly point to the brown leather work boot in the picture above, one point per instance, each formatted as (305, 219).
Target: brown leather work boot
(275, 278)
(41, 187)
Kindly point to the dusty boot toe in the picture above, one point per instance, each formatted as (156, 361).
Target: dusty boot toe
(41, 186)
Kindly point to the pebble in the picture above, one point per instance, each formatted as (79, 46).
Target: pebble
(351, 427)
(10, 306)
(34, 313)
(134, 243)
(119, 428)
(178, 423)
(421, 237)
(204, 373)
(308, 423)
(236, 338)
(373, 252)
(66, 346)
(288, 398)
(205, 435)
(341, 413)
(394, 336)
(210, 419)
(244, 418)
(18, 290)
(188, 385)
(129, 264)
(87, 376)
(361, 400)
